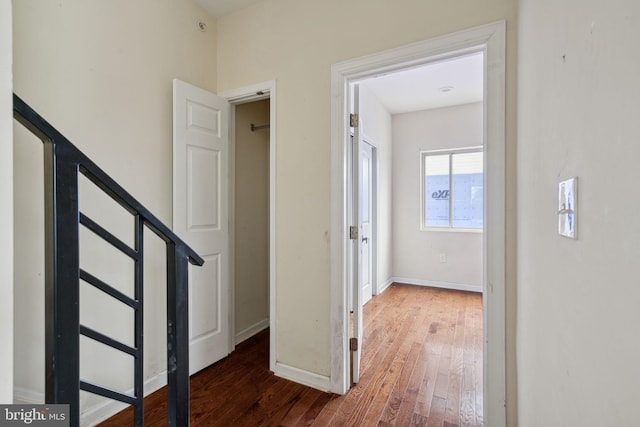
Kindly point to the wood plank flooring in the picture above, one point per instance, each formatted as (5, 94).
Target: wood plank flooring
(421, 366)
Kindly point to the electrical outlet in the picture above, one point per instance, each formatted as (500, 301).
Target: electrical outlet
(443, 257)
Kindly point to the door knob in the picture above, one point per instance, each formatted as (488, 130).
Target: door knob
(365, 239)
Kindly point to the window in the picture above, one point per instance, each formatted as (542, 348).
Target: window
(452, 189)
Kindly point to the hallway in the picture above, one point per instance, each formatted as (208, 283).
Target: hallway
(421, 365)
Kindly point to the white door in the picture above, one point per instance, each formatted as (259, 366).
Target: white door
(356, 300)
(200, 215)
(365, 223)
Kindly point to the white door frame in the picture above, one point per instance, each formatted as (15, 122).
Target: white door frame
(242, 95)
(490, 39)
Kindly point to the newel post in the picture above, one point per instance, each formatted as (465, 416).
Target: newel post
(62, 280)
(177, 336)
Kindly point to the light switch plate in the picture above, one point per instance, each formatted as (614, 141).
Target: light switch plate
(568, 208)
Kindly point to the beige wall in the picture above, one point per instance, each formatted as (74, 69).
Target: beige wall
(114, 80)
(101, 72)
(416, 253)
(578, 300)
(107, 86)
(376, 128)
(6, 201)
(295, 42)
(251, 222)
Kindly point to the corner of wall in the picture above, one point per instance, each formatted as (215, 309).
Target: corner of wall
(6, 201)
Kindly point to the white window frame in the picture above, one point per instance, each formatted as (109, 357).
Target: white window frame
(450, 153)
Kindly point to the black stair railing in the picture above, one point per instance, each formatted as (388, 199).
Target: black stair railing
(62, 164)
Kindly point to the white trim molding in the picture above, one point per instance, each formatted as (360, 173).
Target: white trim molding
(438, 284)
(105, 411)
(303, 377)
(247, 333)
(24, 396)
(96, 414)
(385, 286)
(489, 39)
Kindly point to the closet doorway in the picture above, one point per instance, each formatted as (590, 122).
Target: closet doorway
(251, 218)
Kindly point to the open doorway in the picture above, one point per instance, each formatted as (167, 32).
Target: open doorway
(251, 218)
(488, 39)
(428, 122)
(435, 116)
(253, 186)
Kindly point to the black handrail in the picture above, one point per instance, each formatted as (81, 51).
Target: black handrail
(62, 163)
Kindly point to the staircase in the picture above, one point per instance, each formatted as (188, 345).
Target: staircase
(63, 163)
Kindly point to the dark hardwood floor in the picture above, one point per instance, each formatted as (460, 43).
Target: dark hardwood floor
(421, 366)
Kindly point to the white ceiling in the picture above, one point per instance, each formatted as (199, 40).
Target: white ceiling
(218, 8)
(421, 88)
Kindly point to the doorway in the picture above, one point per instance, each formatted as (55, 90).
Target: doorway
(260, 99)
(428, 112)
(367, 212)
(489, 39)
(251, 218)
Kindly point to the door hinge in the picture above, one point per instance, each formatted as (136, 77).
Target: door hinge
(353, 344)
(353, 120)
(353, 232)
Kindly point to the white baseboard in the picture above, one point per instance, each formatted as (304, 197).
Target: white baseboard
(99, 413)
(435, 284)
(23, 396)
(252, 330)
(301, 376)
(384, 286)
